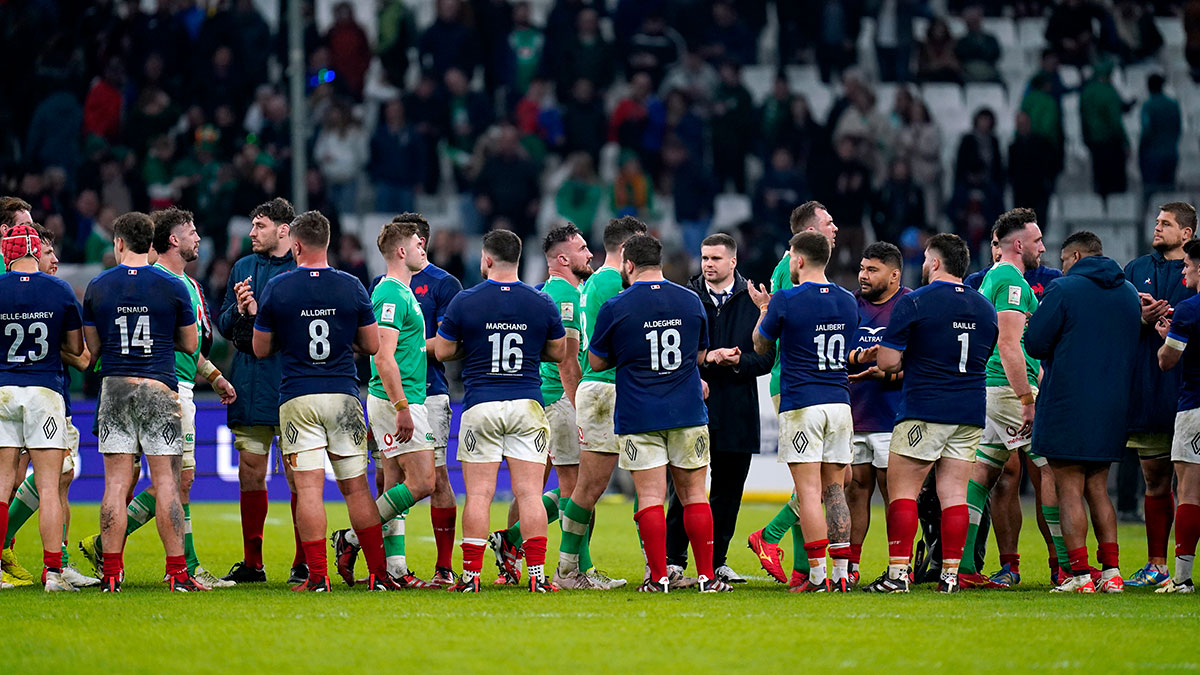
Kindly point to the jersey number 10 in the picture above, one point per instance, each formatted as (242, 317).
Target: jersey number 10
(141, 334)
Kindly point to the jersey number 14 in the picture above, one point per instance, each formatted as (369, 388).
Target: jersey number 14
(139, 338)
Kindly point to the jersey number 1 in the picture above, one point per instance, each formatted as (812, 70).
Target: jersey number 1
(965, 339)
(141, 334)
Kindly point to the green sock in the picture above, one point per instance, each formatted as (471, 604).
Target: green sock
(1050, 513)
(189, 547)
(977, 496)
(139, 512)
(22, 508)
(799, 555)
(393, 542)
(65, 555)
(585, 548)
(549, 500)
(575, 521)
(779, 525)
(394, 502)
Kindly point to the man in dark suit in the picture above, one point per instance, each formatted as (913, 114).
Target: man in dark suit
(729, 372)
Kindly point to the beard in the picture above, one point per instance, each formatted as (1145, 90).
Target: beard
(1031, 261)
(872, 293)
(625, 283)
(582, 272)
(189, 255)
(924, 274)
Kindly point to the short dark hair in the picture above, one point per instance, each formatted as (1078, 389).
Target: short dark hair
(721, 239)
(643, 251)
(886, 253)
(801, 215)
(136, 229)
(953, 251)
(416, 219)
(44, 234)
(391, 234)
(279, 210)
(311, 228)
(1085, 241)
(9, 207)
(1192, 249)
(1184, 212)
(503, 245)
(165, 221)
(619, 230)
(1012, 221)
(1154, 83)
(812, 246)
(559, 235)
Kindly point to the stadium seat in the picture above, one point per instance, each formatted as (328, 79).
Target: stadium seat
(1083, 207)
(731, 210)
(1172, 32)
(942, 96)
(989, 94)
(758, 80)
(1031, 33)
(1003, 30)
(1123, 208)
(820, 100)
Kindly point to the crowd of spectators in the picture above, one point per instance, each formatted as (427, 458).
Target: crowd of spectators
(110, 108)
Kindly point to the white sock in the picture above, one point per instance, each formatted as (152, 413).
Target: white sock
(352, 538)
(1160, 568)
(897, 571)
(816, 570)
(536, 571)
(397, 566)
(1183, 567)
(841, 569)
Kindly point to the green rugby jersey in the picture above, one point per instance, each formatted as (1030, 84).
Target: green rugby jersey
(397, 308)
(1005, 287)
(566, 297)
(781, 279)
(601, 286)
(185, 364)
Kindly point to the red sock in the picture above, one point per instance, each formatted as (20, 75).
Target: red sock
(1078, 558)
(1107, 554)
(254, 517)
(535, 551)
(1160, 511)
(443, 534)
(1187, 529)
(113, 564)
(473, 555)
(901, 527)
(855, 554)
(52, 560)
(299, 558)
(176, 566)
(1054, 566)
(698, 523)
(1013, 560)
(815, 550)
(314, 553)
(955, 520)
(652, 528)
(371, 541)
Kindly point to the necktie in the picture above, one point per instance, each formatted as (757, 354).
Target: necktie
(721, 298)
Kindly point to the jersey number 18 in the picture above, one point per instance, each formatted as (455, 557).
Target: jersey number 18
(664, 349)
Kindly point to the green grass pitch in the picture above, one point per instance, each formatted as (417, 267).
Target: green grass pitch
(759, 626)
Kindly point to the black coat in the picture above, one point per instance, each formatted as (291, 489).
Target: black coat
(733, 392)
